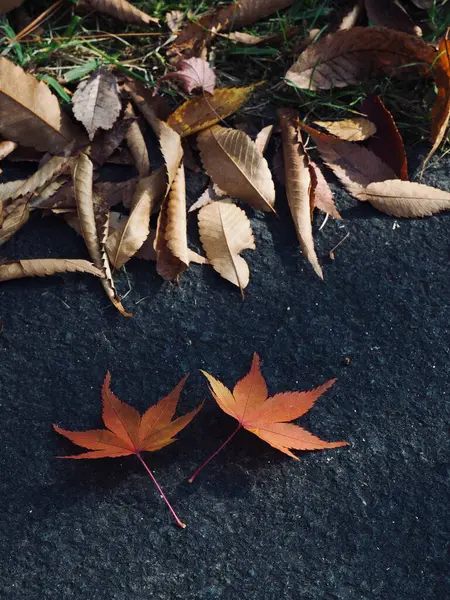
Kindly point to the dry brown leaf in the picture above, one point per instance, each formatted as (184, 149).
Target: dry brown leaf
(54, 194)
(353, 16)
(96, 102)
(322, 194)
(345, 57)
(125, 242)
(391, 13)
(208, 196)
(263, 138)
(136, 144)
(202, 112)
(299, 184)
(9, 188)
(406, 198)
(7, 5)
(172, 257)
(105, 147)
(41, 267)
(29, 113)
(355, 129)
(254, 40)
(89, 224)
(387, 143)
(194, 73)
(120, 9)
(6, 147)
(235, 165)
(354, 165)
(147, 250)
(116, 193)
(440, 114)
(14, 218)
(225, 231)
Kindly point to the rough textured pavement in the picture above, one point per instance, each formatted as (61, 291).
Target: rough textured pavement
(360, 523)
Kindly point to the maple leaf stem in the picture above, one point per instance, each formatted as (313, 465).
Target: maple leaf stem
(191, 479)
(163, 496)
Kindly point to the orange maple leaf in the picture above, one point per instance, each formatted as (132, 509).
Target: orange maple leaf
(267, 417)
(128, 433)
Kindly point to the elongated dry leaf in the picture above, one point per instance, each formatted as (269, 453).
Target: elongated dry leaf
(120, 9)
(355, 166)
(96, 102)
(29, 113)
(440, 114)
(391, 13)
(41, 267)
(7, 5)
(208, 196)
(387, 143)
(201, 113)
(14, 218)
(225, 231)
(355, 129)
(136, 144)
(345, 57)
(299, 184)
(9, 188)
(263, 138)
(322, 194)
(406, 198)
(235, 165)
(172, 257)
(124, 243)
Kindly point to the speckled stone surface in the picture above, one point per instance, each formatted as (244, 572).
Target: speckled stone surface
(360, 523)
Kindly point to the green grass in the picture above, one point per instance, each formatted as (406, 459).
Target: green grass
(62, 55)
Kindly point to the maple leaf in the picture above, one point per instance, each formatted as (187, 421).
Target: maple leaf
(127, 432)
(194, 73)
(267, 418)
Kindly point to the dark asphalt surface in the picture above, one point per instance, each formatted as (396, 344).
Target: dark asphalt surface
(360, 523)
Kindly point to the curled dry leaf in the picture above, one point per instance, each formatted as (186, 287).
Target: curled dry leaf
(200, 113)
(29, 113)
(172, 257)
(345, 57)
(126, 241)
(14, 218)
(387, 144)
(299, 184)
(406, 198)
(96, 102)
(225, 231)
(354, 165)
(263, 138)
(6, 147)
(41, 267)
(355, 129)
(391, 13)
(120, 9)
(136, 144)
(235, 165)
(194, 73)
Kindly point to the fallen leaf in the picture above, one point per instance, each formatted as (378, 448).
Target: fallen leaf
(7, 5)
(14, 218)
(322, 194)
(348, 56)
(440, 114)
(263, 138)
(137, 145)
(354, 165)
(267, 418)
(208, 196)
(96, 102)
(41, 267)
(123, 191)
(106, 143)
(355, 129)
(202, 112)
(352, 17)
(6, 147)
(235, 165)
(29, 113)
(120, 9)
(124, 243)
(127, 433)
(254, 40)
(174, 20)
(172, 257)
(299, 184)
(387, 143)
(391, 13)
(194, 73)
(406, 198)
(225, 231)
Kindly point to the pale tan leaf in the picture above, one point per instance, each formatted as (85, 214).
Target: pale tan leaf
(9, 188)
(124, 243)
(96, 102)
(355, 129)
(263, 138)
(6, 147)
(7, 5)
(41, 267)
(299, 185)
(225, 231)
(120, 9)
(29, 113)
(235, 165)
(352, 17)
(138, 147)
(208, 196)
(347, 56)
(322, 194)
(196, 258)
(172, 257)
(14, 218)
(147, 250)
(406, 198)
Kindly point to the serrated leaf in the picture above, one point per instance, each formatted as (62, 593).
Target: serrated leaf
(14, 218)
(355, 129)
(137, 145)
(42, 267)
(120, 9)
(406, 198)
